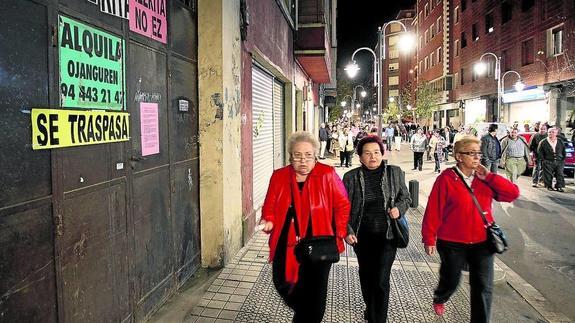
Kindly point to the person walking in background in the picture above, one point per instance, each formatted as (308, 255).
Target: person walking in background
(371, 189)
(312, 196)
(453, 226)
(418, 145)
(345, 147)
(533, 145)
(323, 138)
(389, 136)
(448, 135)
(551, 152)
(397, 136)
(436, 145)
(334, 141)
(491, 149)
(514, 155)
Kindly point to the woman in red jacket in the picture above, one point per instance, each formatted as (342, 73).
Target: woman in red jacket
(319, 200)
(453, 225)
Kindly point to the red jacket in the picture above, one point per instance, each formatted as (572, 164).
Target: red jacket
(323, 196)
(451, 214)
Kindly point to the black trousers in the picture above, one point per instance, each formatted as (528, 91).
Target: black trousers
(417, 160)
(375, 256)
(480, 259)
(309, 295)
(345, 157)
(553, 168)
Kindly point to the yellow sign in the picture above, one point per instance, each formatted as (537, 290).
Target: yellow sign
(65, 128)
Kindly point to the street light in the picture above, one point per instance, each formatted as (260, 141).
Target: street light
(480, 68)
(406, 42)
(363, 93)
(344, 102)
(391, 99)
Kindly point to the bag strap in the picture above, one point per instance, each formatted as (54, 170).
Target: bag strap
(391, 186)
(479, 208)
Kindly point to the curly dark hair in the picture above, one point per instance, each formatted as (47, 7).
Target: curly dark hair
(369, 139)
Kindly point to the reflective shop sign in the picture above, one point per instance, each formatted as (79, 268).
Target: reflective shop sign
(91, 67)
(65, 128)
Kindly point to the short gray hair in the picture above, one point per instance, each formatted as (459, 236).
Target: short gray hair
(302, 136)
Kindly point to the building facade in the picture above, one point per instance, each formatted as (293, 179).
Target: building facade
(532, 38)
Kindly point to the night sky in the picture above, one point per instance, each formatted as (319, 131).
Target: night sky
(357, 24)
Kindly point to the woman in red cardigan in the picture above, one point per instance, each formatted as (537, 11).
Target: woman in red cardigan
(319, 200)
(453, 226)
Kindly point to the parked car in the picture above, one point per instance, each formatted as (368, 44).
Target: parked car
(569, 169)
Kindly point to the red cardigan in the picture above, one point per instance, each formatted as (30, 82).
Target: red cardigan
(323, 195)
(451, 214)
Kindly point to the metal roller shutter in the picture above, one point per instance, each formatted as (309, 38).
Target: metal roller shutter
(262, 134)
(279, 132)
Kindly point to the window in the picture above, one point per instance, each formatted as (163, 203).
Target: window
(392, 40)
(456, 14)
(474, 33)
(425, 36)
(426, 10)
(463, 5)
(438, 25)
(463, 40)
(394, 80)
(456, 80)
(456, 47)
(439, 55)
(426, 64)
(420, 68)
(420, 42)
(393, 66)
(505, 63)
(527, 4)
(431, 59)
(393, 93)
(555, 41)
(489, 23)
(527, 52)
(393, 53)
(462, 79)
(420, 17)
(432, 30)
(506, 11)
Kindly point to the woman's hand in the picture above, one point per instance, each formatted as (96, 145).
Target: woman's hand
(351, 239)
(394, 213)
(430, 250)
(267, 226)
(482, 172)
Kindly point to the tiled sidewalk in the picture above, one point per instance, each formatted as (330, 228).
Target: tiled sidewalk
(244, 292)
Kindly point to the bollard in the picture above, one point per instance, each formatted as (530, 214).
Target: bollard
(414, 193)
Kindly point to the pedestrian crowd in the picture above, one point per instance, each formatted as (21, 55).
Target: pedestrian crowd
(310, 212)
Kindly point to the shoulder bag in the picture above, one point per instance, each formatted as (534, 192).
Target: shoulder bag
(315, 249)
(399, 226)
(495, 236)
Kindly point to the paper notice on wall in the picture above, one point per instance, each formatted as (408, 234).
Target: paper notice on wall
(148, 18)
(149, 128)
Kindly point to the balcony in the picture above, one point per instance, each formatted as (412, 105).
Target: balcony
(313, 45)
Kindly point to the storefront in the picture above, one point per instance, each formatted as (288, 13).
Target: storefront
(475, 110)
(527, 106)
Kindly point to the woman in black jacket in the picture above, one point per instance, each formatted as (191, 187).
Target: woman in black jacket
(370, 190)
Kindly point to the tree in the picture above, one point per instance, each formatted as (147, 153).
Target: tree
(426, 102)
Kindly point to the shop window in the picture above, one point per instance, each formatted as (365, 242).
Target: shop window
(489, 23)
(527, 52)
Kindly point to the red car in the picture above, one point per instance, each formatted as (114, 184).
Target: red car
(569, 169)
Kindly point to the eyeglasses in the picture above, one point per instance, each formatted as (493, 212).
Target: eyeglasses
(472, 153)
(302, 158)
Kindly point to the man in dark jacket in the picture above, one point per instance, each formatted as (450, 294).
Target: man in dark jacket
(533, 145)
(551, 151)
(491, 149)
(323, 138)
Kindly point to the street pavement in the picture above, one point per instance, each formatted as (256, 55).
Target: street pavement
(243, 290)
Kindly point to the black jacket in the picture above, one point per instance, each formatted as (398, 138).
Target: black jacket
(545, 151)
(355, 185)
(490, 147)
(323, 134)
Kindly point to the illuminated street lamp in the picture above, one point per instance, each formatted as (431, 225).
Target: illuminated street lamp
(343, 103)
(480, 68)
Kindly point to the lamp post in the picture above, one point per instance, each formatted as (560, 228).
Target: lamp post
(363, 93)
(352, 68)
(480, 68)
(343, 103)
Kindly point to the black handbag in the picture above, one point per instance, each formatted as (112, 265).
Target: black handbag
(315, 249)
(495, 236)
(399, 226)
